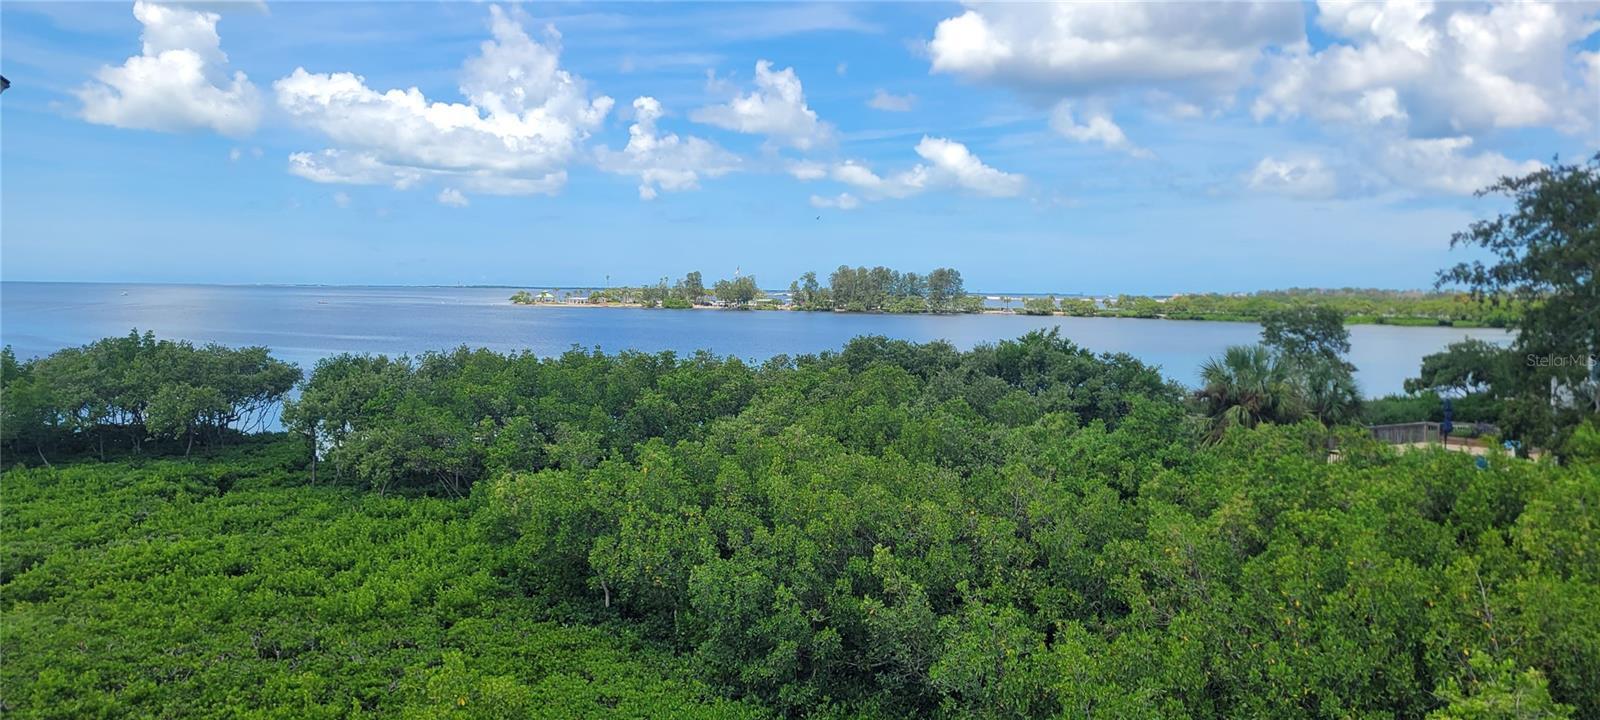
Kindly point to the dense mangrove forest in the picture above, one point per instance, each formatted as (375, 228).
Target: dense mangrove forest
(890, 530)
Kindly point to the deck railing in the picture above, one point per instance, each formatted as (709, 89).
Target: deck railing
(1425, 432)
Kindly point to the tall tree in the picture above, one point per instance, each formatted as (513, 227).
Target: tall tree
(944, 289)
(1463, 368)
(1546, 258)
(738, 291)
(809, 289)
(912, 285)
(881, 282)
(694, 288)
(1306, 332)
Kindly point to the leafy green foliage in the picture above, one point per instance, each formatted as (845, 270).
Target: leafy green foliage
(1428, 406)
(1116, 569)
(1464, 368)
(1307, 334)
(823, 550)
(1496, 690)
(230, 588)
(1134, 306)
(444, 420)
(738, 292)
(1298, 371)
(1247, 386)
(1356, 305)
(133, 390)
(1039, 306)
(1545, 252)
(1476, 376)
(881, 289)
(891, 530)
(684, 294)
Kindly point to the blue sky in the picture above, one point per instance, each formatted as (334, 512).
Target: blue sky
(1139, 147)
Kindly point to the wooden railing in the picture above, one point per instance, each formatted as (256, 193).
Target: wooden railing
(1425, 432)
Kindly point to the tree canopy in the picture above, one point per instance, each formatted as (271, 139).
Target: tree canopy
(1024, 529)
(1298, 371)
(881, 289)
(1546, 257)
(131, 390)
(738, 292)
(1307, 334)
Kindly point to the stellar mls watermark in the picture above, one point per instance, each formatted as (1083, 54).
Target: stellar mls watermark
(1560, 361)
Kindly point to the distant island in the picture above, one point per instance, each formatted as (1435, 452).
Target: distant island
(942, 291)
(867, 290)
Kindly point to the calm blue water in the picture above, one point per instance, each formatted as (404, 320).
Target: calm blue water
(303, 324)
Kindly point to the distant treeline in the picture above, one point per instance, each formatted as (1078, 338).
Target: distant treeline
(1359, 306)
(882, 289)
(688, 292)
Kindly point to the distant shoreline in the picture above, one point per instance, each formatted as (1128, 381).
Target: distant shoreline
(1399, 321)
(452, 286)
(1356, 317)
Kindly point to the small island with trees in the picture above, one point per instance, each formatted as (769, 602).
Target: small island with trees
(861, 289)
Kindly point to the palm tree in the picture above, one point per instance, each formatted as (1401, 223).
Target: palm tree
(1247, 386)
(1329, 391)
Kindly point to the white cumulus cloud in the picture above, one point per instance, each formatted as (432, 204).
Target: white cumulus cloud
(1440, 70)
(946, 164)
(807, 170)
(952, 163)
(842, 201)
(524, 120)
(1198, 50)
(179, 82)
(453, 198)
(776, 108)
(889, 102)
(1097, 127)
(664, 161)
(1445, 165)
(1303, 176)
(352, 168)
